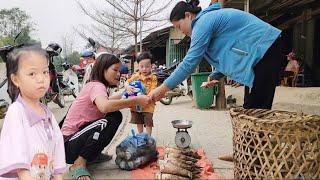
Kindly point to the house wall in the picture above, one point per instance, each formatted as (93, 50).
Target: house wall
(159, 55)
(174, 51)
(305, 46)
(316, 53)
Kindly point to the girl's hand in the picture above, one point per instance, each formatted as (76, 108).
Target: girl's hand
(58, 177)
(24, 174)
(143, 100)
(158, 93)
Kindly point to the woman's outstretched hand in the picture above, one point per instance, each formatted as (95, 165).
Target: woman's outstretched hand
(158, 93)
(143, 100)
(210, 83)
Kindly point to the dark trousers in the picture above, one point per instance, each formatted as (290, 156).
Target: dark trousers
(92, 138)
(266, 72)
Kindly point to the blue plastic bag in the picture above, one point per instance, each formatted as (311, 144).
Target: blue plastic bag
(136, 150)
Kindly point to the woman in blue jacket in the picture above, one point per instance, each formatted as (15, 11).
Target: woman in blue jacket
(238, 44)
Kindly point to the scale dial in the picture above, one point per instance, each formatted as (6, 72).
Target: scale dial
(182, 139)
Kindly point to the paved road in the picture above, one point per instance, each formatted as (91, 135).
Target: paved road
(211, 131)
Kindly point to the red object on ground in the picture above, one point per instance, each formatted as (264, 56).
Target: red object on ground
(148, 171)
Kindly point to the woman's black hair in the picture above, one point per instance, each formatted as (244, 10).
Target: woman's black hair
(12, 65)
(179, 10)
(102, 63)
(145, 55)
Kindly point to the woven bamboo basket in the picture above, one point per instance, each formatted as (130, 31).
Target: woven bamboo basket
(274, 144)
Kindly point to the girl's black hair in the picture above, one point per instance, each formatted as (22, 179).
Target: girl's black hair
(145, 55)
(102, 63)
(179, 10)
(12, 65)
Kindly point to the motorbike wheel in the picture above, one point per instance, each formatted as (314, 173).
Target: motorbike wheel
(59, 99)
(166, 100)
(44, 100)
(74, 94)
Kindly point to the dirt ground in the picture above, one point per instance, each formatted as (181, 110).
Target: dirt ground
(299, 99)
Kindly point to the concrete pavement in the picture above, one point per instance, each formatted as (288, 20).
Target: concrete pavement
(211, 131)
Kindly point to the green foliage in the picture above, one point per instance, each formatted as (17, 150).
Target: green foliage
(58, 61)
(12, 22)
(74, 58)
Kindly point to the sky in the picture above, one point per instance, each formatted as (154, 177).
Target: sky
(56, 19)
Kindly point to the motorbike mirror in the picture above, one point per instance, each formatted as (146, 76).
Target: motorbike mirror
(4, 52)
(8, 48)
(16, 37)
(92, 42)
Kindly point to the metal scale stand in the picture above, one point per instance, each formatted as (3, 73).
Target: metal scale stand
(182, 138)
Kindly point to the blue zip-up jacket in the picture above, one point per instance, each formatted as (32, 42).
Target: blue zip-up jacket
(231, 40)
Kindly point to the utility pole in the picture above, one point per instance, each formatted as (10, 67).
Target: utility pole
(246, 5)
(220, 99)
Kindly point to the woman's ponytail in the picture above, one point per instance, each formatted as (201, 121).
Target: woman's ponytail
(178, 12)
(193, 3)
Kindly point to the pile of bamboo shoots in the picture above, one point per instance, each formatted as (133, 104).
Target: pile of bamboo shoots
(179, 164)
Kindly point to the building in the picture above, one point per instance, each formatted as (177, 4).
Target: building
(298, 19)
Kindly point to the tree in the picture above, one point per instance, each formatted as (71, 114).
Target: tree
(122, 19)
(69, 55)
(105, 37)
(12, 22)
(67, 44)
(74, 58)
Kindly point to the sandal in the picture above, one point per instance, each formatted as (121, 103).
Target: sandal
(79, 172)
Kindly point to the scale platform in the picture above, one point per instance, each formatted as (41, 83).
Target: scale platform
(182, 138)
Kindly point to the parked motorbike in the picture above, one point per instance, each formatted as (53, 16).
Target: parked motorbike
(69, 80)
(182, 89)
(57, 89)
(92, 52)
(123, 79)
(3, 103)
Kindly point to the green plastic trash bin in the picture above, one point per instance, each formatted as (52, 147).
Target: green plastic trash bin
(203, 97)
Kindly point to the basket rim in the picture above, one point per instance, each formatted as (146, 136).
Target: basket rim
(241, 113)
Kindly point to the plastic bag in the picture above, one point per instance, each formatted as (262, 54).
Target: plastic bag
(135, 151)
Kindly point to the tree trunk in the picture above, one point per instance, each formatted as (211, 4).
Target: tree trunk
(221, 96)
(135, 52)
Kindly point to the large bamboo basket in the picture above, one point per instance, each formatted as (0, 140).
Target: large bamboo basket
(275, 144)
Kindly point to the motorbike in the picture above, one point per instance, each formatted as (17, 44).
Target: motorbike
(58, 88)
(69, 81)
(182, 89)
(3, 103)
(89, 66)
(123, 79)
